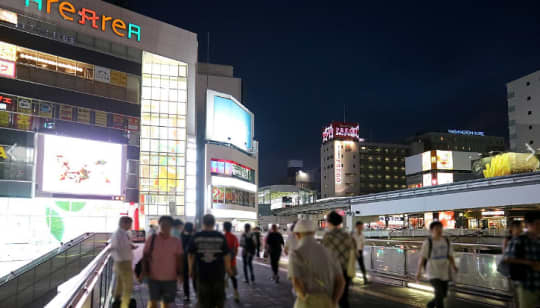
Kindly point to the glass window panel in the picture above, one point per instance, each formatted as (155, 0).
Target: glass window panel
(164, 94)
(172, 146)
(154, 159)
(147, 68)
(46, 61)
(172, 133)
(181, 160)
(145, 107)
(180, 210)
(173, 108)
(154, 132)
(164, 210)
(172, 119)
(156, 81)
(155, 106)
(146, 92)
(182, 71)
(182, 96)
(86, 72)
(173, 70)
(163, 107)
(156, 93)
(181, 133)
(147, 80)
(172, 160)
(164, 120)
(163, 146)
(173, 95)
(181, 122)
(180, 186)
(171, 172)
(145, 171)
(182, 108)
(145, 119)
(156, 69)
(155, 120)
(154, 145)
(164, 83)
(173, 83)
(163, 174)
(163, 160)
(164, 69)
(163, 132)
(145, 145)
(145, 159)
(181, 172)
(180, 200)
(154, 171)
(182, 83)
(67, 66)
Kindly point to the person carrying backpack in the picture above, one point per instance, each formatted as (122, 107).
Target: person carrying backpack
(249, 246)
(437, 258)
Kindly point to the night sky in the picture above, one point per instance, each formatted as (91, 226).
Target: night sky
(399, 67)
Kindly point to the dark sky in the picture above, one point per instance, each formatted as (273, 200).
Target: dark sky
(399, 66)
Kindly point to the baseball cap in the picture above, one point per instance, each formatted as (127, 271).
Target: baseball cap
(304, 226)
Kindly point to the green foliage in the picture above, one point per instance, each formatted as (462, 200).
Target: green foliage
(55, 223)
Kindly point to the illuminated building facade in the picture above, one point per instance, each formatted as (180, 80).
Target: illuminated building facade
(97, 120)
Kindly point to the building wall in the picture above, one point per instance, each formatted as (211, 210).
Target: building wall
(524, 112)
(455, 142)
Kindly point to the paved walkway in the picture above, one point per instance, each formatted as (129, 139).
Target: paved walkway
(266, 294)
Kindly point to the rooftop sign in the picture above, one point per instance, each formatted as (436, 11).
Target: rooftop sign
(342, 131)
(83, 16)
(465, 132)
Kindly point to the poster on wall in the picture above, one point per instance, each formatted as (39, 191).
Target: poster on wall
(66, 113)
(102, 74)
(8, 51)
(118, 121)
(85, 167)
(444, 160)
(133, 124)
(83, 115)
(118, 78)
(7, 69)
(22, 119)
(100, 118)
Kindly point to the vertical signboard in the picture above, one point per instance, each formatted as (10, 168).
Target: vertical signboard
(338, 163)
(102, 74)
(83, 115)
(22, 120)
(45, 110)
(66, 113)
(100, 118)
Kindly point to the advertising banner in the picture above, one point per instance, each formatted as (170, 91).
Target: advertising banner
(133, 124)
(85, 167)
(118, 121)
(102, 74)
(83, 115)
(8, 52)
(7, 68)
(8, 16)
(4, 119)
(100, 118)
(118, 78)
(23, 121)
(444, 160)
(24, 105)
(45, 110)
(66, 113)
(337, 163)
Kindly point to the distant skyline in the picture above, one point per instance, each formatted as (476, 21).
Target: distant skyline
(399, 68)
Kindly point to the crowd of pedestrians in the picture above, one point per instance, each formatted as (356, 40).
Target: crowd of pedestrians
(321, 273)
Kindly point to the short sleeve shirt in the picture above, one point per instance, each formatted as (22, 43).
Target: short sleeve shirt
(438, 265)
(525, 247)
(209, 249)
(232, 242)
(164, 256)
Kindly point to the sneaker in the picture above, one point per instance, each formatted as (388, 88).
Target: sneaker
(236, 296)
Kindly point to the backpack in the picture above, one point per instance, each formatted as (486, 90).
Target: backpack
(430, 248)
(249, 243)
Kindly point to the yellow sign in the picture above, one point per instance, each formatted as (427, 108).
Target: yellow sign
(8, 52)
(118, 78)
(83, 115)
(3, 153)
(101, 118)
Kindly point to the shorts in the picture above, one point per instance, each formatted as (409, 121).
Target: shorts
(162, 290)
(211, 294)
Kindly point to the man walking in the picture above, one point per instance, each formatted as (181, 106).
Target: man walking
(275, 243)
(232, 243)
(164, 253)
(523, 254)
(315, 273)
(122, 254)
(209, 260)
(248, 243)
(359, 241)
(437, 258)
(186, 236)
(341, 245)
(257, 233)
(177, 228)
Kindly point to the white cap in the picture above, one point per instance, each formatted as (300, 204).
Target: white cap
(304, 226)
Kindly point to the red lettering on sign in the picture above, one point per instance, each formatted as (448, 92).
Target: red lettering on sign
(87, 14)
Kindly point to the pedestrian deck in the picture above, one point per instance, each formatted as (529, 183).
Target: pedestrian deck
(267, 294)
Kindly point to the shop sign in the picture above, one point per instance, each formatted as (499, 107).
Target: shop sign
(7, 68)
(83, 115)
(342, 131)
(133, 124)
(337, 163)
(118, 78)
(24, 105)
(102, 74)
(66, 113)
(8, 16)
(493, 213)
(465, 132)
(8, 51)
(6, 99)
(100, 118)
(84, 16)
(45, 110)
(118, 121)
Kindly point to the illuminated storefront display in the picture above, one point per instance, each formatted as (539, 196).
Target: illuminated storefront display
(68, 12)
(163, 135)
(7, 69)
(224, 196)
(228, 121)
(444, 160)
(231, 168)
(8, 16)
(16, 162)
(85, 167)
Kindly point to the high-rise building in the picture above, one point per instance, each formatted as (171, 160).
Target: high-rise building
(456, 140)
(524, 112)
(350, 166)
(97, 119)
(228, 152)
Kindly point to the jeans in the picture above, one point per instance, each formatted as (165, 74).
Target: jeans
(361, 264)
(274, 261)
(441, 291)
(186, 279)
(211, 294)
(124, 282)
(344, 300)
(247, 259)
(527, 298)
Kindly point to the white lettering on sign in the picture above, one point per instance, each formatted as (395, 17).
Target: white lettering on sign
(343, 131)
(337, 163)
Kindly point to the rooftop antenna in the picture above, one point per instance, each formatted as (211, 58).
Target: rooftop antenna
(344, 118)
(208, 47)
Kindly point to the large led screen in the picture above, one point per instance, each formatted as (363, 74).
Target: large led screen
(228, 121)
(81, 167)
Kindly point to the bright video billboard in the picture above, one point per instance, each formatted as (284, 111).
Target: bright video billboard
(228, 121)
(84, 167)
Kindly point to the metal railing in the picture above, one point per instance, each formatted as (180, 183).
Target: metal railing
(36, 283)
(477, 264)
(425, 233)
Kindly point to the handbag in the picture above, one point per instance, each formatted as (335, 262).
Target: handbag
(142, 268)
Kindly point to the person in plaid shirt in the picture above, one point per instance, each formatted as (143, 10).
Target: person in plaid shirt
(341, 245)
(523, 253)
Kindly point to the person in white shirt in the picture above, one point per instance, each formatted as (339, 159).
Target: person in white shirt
(291, 242)
(437, 258)
(360, 241)
(122, 254)
(316, 274)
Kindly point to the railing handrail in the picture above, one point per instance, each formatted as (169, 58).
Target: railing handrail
(473, 245)
(45, 257)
